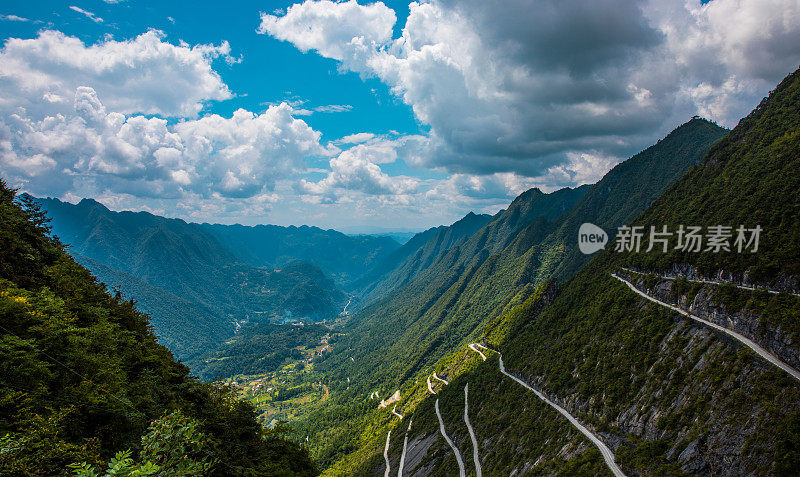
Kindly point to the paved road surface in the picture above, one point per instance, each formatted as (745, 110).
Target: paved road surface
(746, 341)
(403, 455)
(475, 458)
(386, 455)
(461, 471)
(475, 349)
(712, 282)
(607, 454)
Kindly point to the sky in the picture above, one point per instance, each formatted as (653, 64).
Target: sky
(363, 116)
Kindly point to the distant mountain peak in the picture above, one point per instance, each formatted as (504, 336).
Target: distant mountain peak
(90, 203)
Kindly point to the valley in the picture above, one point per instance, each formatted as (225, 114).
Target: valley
(426, 239)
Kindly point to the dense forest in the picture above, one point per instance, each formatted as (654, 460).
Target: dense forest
(84, 381)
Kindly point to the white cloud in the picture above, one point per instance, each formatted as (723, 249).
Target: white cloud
(91, 16)
(357, 170)
(335, 30)
(730, 52)
(250, 152)
(13, 18)
(356, 138)
(333, 108)
(473, 190)
(93, 149)
(142, 75)
(509, 88)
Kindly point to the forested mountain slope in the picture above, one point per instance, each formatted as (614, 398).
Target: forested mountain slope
(397, 340)
(83, 376)
(669, 394)
(182, 274)
(416, 255)
(344, 258)
(622, 193)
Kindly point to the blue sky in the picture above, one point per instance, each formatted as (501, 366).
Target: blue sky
(363, 116)
(274, 71)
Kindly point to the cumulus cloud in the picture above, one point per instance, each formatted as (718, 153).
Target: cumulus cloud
(250, 152)
(335, 30)
(730, 52)
(356, 138)
(472, 188)
(72, 119)
(239, 156)
(143, 75)
(357, 170)
(509, 88)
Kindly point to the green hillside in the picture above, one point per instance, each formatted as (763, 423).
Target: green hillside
(416, 255)
(83, 376)
(195, 287)
(342, 257)
(400, 338)
(669, 395)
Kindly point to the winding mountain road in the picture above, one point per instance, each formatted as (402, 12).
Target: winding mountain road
(475, 457)
(771, 358)
(386, 455)
(711, 282)
(430, 387)
(403, 455)
(440, 379)
(608, 455)
(461, 470)
(472, 346)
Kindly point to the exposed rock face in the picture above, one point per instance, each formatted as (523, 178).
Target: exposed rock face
(723, 448)
(706, 304)
(781, 283)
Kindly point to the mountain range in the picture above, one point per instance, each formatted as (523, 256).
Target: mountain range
(490, 346)
(667, 363)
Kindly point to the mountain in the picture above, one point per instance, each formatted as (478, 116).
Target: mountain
(667, 392)
(83, 378)
(196, 289)
(342, 257)
(186, 328)
(400, 338)
(617, 198)
(402, 265)
(259, 348)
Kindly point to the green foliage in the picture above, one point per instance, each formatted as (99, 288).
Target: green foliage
(121, 465)
(83, 376)
(259, 348)
(487, 279)
(189, 280)
(788, 449)
(177, 446)
(749, 178)
(174, 445)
